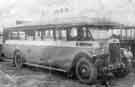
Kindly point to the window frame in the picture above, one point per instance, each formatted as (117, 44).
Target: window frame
(60, 34)
(37, 35)
(29, 34)
(48, 34)
(14, 37)
(69, 38)
(20, 37)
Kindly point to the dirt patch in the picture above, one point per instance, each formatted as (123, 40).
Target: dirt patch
(31, 77)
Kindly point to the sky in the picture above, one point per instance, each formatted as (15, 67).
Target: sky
(122, 11)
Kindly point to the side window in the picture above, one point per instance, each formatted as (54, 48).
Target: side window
(37, 35)
(14, 35)
(48, 35)
(73, 34)
(57, 33)
(87, 34)
(22, 35)
(90, 33)
(61, 34)
(9, 35)
(29, 35)
(84, 32)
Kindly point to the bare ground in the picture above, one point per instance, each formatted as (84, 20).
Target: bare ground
(34, 77)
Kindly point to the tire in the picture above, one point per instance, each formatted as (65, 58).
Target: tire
(18, 60)
(85, 71)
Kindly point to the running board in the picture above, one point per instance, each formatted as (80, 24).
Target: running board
(44, 67)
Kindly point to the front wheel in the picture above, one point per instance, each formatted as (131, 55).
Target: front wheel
(85, 71)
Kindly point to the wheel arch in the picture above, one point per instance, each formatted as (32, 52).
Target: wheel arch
(89, 57)
(78, 55)
(19, 52)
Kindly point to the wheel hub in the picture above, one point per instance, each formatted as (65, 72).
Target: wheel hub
(84, 71)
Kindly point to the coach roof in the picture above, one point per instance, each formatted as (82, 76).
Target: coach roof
(67, 23)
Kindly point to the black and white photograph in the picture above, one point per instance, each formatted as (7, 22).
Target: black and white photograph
(67, 43)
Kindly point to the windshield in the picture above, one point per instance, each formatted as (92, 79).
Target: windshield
(100, 34)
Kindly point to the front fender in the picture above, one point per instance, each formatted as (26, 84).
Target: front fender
(78, 55)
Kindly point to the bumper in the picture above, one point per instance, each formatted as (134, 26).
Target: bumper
(114, 68)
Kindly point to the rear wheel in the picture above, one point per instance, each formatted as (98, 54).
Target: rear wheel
(18, 60)
(85, 71)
